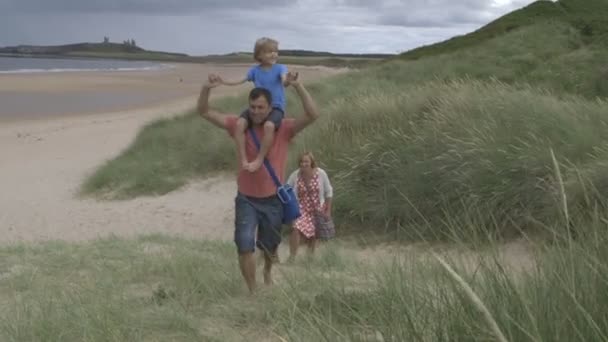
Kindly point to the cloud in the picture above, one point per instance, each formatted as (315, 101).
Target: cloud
(221, 26)
(166, 7)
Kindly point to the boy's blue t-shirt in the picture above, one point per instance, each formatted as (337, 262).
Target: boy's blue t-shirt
(271, 80)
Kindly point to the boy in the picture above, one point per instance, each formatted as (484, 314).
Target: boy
(272, 76)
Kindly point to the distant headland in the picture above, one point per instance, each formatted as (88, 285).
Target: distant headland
(129, 50)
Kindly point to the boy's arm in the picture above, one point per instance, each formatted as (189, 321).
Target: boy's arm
(234, 83)
(203, 103)
(250, 76)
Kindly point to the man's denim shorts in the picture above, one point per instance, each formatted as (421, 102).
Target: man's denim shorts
(265, 214)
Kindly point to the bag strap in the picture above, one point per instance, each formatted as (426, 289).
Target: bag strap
(266, 162)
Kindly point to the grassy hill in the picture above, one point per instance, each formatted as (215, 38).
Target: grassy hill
(588, 17)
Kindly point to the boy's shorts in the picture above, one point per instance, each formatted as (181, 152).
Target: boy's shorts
(275, 116)
(257, 223)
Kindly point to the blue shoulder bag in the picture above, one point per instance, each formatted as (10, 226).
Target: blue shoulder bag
(286, 194)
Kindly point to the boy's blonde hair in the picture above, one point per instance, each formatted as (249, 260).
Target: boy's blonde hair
(264, 44)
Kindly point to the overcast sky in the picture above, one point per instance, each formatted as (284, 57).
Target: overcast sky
(200, 27)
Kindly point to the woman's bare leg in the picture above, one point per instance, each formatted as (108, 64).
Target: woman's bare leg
(312, 245)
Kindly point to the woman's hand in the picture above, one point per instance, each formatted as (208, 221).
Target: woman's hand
(327, 209)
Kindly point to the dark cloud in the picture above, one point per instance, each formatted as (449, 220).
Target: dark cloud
(133, 6)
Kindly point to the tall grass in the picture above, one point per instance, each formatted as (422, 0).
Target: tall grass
(157, 288)
(453, 140)
(471, 145)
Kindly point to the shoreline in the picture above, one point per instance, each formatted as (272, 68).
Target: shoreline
(50, 95)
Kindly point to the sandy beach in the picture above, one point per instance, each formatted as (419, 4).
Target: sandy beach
(56, 128)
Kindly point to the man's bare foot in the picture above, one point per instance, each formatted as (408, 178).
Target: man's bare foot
(267, 278)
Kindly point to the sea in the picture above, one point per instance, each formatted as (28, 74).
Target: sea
(15, 65)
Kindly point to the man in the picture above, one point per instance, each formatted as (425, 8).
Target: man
(256, 203)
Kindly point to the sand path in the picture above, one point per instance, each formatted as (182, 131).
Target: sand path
(43, 162)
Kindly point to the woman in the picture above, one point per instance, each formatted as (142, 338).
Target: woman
(314, 193)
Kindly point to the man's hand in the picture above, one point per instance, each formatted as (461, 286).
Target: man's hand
(292, 78)
(213, 81)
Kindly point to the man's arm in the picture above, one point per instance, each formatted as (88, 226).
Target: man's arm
(310, 108)
(203, 103)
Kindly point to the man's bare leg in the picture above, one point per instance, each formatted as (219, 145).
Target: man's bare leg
(239, 136)
(294, 243)
(268, 268)
(267, 139)
(247, 264)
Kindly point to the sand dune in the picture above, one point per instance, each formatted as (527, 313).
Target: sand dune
(48, 149)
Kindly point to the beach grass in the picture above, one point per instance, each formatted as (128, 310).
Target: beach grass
(408, 144)
(159, 288)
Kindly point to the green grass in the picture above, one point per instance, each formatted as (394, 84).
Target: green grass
(157, 288)
(164, 161)
(586, 16)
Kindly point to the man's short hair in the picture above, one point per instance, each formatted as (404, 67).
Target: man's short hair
(256, 93)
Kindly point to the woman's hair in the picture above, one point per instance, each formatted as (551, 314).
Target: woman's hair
(313, 163)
